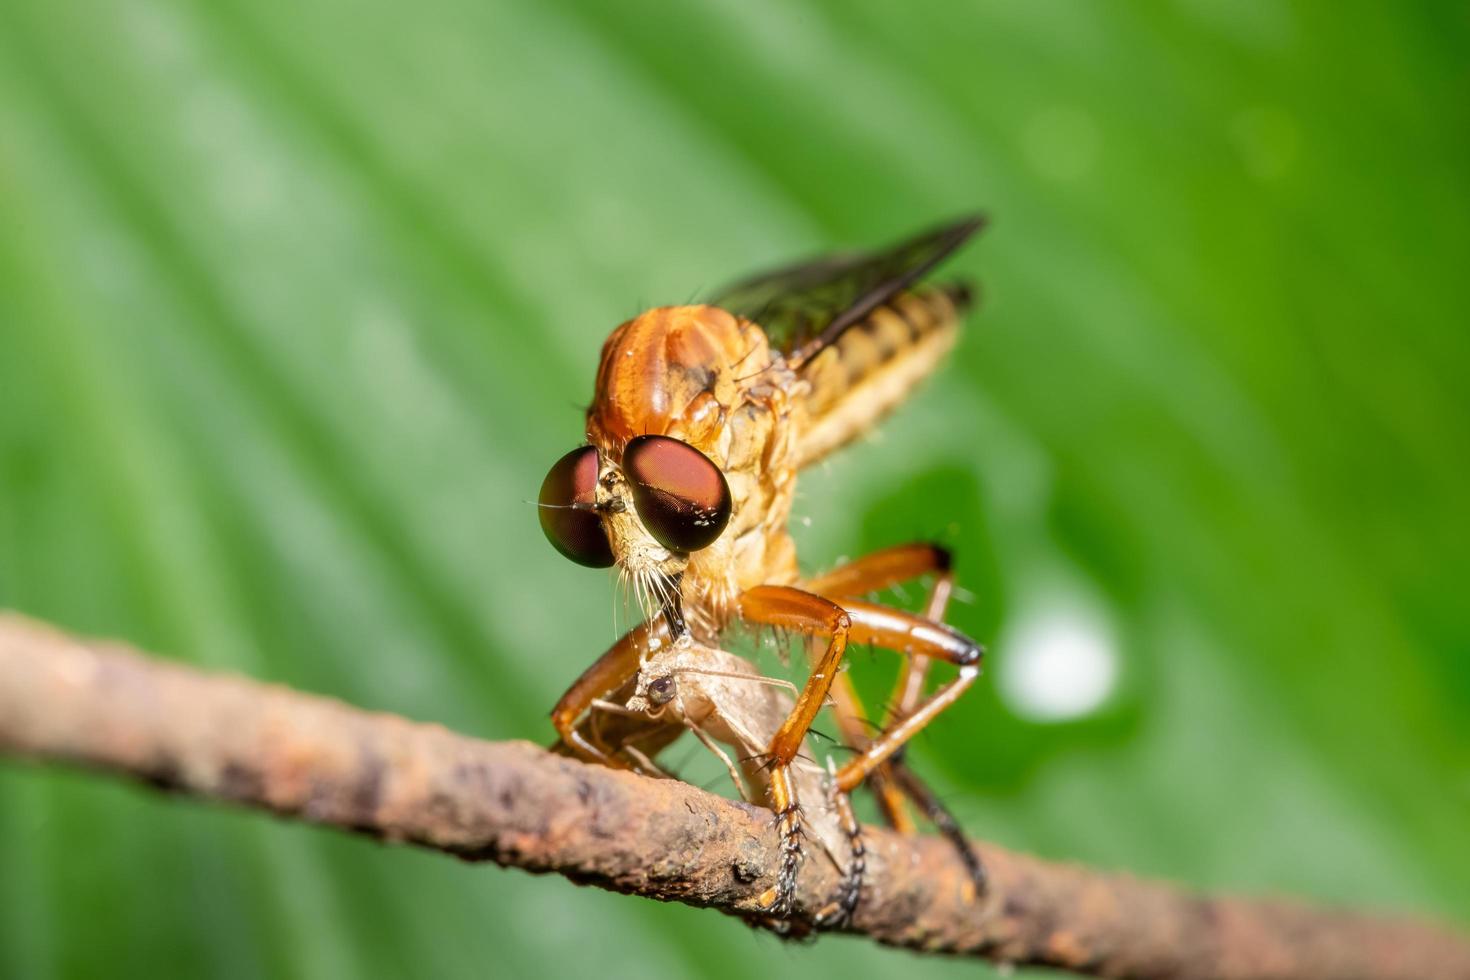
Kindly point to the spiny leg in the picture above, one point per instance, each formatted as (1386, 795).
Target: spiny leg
(915, 635)
(790, 608)
(848, 712)
(903, 779)
(882, 569)
(895, 630)
(866, 622)
(875, 572)
(916, 669)
(780, 900)
(849, 892)
(893, 780)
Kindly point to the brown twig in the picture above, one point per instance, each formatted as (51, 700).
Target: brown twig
(102, 706)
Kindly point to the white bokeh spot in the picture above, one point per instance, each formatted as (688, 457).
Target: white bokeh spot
(1058, 662)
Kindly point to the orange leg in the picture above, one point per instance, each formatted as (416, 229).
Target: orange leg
(884, 627)
(792, 609)
(895, 775)
(789, 608)
(788, 825)
(850, 720)
(916, 669)
(608, 673)
(883, 570)
(874, 573)
(892, 780)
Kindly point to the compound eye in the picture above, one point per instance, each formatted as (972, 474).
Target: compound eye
(567, 496)
(681, 496)
(661, 691)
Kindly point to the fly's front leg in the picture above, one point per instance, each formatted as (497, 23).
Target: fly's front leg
(890, 781)
(792, 609)
(608, 673)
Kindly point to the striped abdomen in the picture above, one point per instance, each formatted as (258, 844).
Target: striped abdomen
(876, 363)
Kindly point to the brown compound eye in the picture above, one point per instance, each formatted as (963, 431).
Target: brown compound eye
(681, 496)
(661, 690)
(568, 495)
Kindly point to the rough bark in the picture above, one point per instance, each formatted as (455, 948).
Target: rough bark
(104, 707)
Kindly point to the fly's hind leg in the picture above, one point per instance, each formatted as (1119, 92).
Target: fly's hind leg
(915, 635)
(885, 569)
(938, 814)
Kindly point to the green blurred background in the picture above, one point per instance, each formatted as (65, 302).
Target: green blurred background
(299, 301)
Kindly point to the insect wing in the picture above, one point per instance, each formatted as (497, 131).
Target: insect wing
(805, 307)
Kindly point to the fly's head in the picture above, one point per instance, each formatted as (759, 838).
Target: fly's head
(648, 511)
(650, 493)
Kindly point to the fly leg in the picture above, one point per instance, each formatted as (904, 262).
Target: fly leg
(906, 700)
(873, 573)
(848, 712)
(893, 780)
(914, 635)
(790, 608)
(918, 637)
(839, 913)
(885, 569)
(608, 673)
(938, 814)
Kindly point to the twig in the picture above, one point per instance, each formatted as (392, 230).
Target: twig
(104, 707)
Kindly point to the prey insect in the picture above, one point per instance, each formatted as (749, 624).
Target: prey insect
(722, 699)
(701, 418)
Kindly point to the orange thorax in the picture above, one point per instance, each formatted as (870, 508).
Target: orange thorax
(702, 375)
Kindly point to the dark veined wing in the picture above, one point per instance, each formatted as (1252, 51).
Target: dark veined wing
(805, 307)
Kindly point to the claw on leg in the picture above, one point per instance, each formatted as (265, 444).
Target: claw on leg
(838, 914)
(781, 900)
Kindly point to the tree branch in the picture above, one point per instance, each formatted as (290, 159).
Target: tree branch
(105, 707)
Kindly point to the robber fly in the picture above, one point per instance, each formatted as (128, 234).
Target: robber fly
(701, 418)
